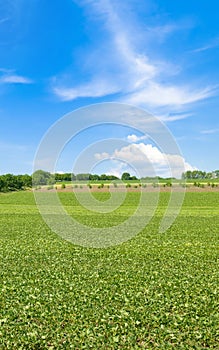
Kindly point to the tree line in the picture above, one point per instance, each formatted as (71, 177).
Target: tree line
(10, 182)
(199, 174)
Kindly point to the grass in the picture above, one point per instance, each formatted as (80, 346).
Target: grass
(156, 291)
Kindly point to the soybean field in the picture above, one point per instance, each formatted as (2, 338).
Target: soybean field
(155, 291)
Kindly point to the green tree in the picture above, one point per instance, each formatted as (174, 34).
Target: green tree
(216, 172)
(94, 177)
(126, 176)
(82, 177)
(41, 177)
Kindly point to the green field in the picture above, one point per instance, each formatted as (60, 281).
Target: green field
(156, 291)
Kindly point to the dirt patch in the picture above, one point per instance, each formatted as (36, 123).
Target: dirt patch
(149, 188)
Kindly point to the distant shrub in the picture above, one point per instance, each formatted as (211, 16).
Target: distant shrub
(63, 186)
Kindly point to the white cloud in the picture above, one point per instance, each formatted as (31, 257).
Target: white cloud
(155, 94)
(14, 79)
(148, 160)
(174, 117)
(134, 138)
(161, 32)
(97, 88)
(117, 169)
(126, 67)
(210, 131)
(103, 155)
(211, 45)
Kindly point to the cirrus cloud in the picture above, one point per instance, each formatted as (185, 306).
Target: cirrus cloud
(127, 68)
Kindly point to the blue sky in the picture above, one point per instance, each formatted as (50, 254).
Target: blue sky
(58, 56)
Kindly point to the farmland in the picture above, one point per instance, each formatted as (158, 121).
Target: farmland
(154, 291)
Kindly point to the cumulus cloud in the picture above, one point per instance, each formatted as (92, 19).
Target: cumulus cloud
(134, 138)
(149, 160)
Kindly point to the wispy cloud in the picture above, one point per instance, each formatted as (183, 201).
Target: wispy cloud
(15, 79)
(97, 88)
(161, 32)
(3, 20)
(127, 67)
(210, 131)
(9, 77)
(174, 117)
(155, 94)
(211, 45)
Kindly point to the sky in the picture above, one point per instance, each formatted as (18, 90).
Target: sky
(158, 56)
